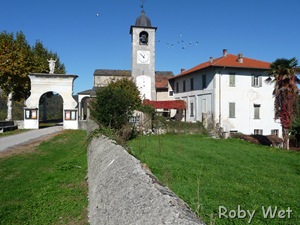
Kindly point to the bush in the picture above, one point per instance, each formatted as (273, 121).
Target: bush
(113, 107)
(179, 127)
(115, 103)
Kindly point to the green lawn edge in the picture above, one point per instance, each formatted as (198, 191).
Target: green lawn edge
(210, 173)
(47, 186)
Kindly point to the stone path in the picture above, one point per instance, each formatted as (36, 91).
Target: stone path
(10, 141)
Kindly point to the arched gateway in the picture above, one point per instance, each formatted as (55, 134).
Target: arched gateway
(59, 83)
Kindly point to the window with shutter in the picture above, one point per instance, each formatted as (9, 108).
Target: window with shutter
(275, 132)
(260, 81)
(256, 111)
(256, 81)
(192, 84)
(258, 132)
(204, 85)
(231, 109)
(192, 109)
(232, 80)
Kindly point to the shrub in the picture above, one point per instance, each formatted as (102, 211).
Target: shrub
(174, 127)
(115, 103)
(113, 107)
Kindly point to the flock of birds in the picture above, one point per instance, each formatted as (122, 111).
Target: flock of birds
(181, 43)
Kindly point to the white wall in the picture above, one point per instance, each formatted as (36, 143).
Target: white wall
(202, 99)
(214, 100)
(59, 83)
(245, 97)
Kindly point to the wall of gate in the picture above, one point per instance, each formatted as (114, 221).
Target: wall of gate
(59, 83)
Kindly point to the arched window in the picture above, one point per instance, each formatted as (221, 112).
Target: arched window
(143, 38)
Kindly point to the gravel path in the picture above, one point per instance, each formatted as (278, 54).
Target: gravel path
(10, 141)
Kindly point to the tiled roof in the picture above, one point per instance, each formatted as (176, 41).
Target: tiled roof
(86, 92)
(105, 72)
(161, 77)
(170, 104)
(229, 60)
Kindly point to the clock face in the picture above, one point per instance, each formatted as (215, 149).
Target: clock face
(143, 57)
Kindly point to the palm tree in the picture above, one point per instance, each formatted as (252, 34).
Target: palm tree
(285, 93)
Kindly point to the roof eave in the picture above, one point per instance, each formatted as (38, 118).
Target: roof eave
(217, 66)
(133, 26)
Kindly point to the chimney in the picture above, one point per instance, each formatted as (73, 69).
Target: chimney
(224, 52)
(182, 70)
(211, 59)
(240, 58)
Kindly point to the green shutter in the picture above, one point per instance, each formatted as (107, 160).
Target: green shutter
(256, 111)
(231, 109)
(260, 81)
(204, 81)
(231, 80)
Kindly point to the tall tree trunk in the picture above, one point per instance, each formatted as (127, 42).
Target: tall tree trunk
(9, 107)
(286, 140)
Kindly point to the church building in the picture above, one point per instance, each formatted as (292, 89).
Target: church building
(227, 93)
(153, 85)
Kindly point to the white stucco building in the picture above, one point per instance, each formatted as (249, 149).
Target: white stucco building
(229, 92)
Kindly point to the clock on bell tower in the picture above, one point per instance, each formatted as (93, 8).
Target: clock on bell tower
(143, 56)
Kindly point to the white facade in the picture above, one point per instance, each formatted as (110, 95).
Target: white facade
(43, 83)
(236, 99)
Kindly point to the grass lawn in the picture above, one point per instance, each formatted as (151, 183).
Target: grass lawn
(46, 186)
(214, 175)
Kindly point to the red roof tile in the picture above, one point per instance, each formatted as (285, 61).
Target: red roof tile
(170, 104)
(162, 82)
(228, 61)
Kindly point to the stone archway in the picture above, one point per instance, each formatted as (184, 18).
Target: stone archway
(83, 106)
(51, 107)
(59, 83)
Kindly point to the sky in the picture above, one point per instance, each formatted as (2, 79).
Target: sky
(94, 34)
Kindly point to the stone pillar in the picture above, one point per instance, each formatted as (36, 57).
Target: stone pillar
(31, 118)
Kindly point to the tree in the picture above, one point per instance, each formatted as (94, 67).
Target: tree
(285, 93)
(40, 56)
(15, 62)
(115, 103)
(295, 130)
(40, 65)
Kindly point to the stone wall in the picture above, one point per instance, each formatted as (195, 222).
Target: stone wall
(20, 124)
(122, 191)
(82, 125)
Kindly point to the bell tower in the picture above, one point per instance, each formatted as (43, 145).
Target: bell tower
(143, 56)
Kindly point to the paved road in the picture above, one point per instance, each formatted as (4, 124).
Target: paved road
(25, 137)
